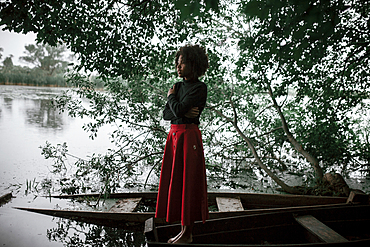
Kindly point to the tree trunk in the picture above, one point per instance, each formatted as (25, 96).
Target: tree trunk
(283, 185)
(313, 161)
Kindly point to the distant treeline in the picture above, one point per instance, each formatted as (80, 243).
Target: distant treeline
(25, 76)
(48, 67)
(31, 79)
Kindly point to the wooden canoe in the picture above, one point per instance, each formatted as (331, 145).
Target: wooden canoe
(347, 225)
(125, 212)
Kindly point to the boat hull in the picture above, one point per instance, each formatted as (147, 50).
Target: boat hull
(252, 203)
(273, 229)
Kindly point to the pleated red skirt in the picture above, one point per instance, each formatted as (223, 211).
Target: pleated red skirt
(182, 193)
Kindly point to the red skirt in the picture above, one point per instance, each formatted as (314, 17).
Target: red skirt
(182, 193)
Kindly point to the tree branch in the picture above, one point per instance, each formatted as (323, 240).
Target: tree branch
(144, 157)
(313, 161)
(284, 186)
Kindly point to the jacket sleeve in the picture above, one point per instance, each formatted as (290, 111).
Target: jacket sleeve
(196, 97)
(167, 113)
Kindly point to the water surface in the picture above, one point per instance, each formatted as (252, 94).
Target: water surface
(27, 122)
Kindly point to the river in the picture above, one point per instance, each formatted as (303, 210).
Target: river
(26, 123)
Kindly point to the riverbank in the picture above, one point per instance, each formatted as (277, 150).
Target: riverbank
(29, 85)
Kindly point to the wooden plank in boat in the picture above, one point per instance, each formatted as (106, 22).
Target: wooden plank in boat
(358, 196)
(229, 204)
(125, 205)
(150, 229)
(319, 229)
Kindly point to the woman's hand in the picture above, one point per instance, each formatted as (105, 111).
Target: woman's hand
(171, 91)
(192, 113)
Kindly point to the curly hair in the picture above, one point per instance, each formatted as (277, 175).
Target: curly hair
(195, 57)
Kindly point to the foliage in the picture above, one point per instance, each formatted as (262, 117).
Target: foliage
(46, 58)
(285, 77)
(8, 63)
(74, 233)
(321, 49)
(99, 166)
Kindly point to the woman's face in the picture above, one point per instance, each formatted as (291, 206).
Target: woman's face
(183, 70)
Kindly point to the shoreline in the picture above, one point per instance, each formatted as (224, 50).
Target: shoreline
(30, 85)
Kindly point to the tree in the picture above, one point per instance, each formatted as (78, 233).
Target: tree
(46, 58)
(320, 48)
(250, 116)
(8, 63)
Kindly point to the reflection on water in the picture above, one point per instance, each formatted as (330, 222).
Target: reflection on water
(42, 116)
(72, 233)
(26, 122)
(7, 104)
(32, 103)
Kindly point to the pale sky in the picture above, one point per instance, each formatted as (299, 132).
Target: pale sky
(13, 43)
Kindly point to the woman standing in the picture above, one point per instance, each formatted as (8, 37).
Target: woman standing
(182, 194)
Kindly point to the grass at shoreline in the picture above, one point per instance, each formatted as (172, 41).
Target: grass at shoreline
(37, 79)
(30, 85)
(31, 78)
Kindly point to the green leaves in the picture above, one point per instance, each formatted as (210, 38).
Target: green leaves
(193, 8)
(256, 8)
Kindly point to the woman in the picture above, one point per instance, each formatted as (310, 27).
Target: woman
(182, 194)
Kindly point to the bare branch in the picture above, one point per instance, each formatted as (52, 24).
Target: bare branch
(313, 161)
(222, 115)
(147, 177)
(144, 157)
